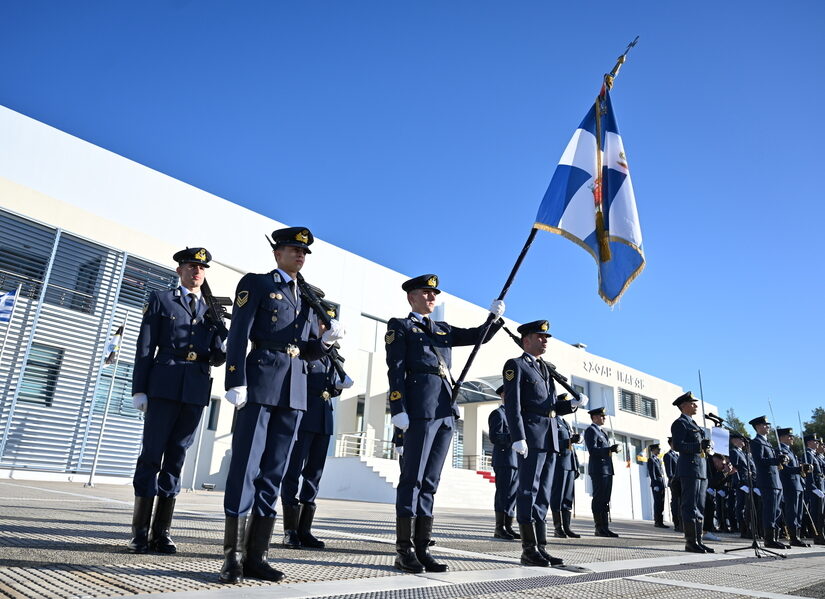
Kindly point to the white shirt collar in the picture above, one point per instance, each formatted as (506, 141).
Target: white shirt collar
(420, 317)
(184, 291)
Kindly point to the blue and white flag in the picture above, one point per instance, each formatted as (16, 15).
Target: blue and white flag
(590, 201)
(113, 346)
(7, 305)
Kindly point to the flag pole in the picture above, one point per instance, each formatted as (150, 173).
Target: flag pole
(609, 78)
(11, 318)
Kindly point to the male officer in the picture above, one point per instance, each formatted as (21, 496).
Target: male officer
(690, 441)
(505, 467)
(309, 452)
(269, 389)
(813, 482)
(656, 474)
(600, 469)
(767, 462)
(743, 478)
(565, 473)
(791, 477)
(171, 384)
(671, 462)
(529, 403)
(418, 367)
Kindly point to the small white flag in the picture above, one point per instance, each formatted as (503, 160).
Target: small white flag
(7, 305)
(113, 346)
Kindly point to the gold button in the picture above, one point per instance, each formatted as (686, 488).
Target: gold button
(272, 296)
(274, 319)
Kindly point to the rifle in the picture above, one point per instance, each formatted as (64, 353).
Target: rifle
(216, 309)
(557, 376)
(308, 292)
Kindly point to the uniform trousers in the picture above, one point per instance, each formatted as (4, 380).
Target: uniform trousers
(307, 460)
(602, 490)
(793, 508)
(261, 444)
(535, 477)
(771, 507)
(426, 444)
(676, 500)
(561, 494)
(506, 489)
(658, 502)
(694, 492)
(168, 431)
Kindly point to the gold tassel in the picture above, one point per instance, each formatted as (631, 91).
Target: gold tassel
(601, 235)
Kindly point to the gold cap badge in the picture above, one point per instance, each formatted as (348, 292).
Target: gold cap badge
(303, 236)
(432, 282)
(201, 254)
(544, 326)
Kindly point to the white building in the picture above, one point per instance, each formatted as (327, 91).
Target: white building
(80, 235)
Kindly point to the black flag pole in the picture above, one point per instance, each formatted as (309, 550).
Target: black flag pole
(609, 78)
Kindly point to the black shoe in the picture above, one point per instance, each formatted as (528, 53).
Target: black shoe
(257, 548)
(565, 525)
(770, 540)
(691, 546)
(405, 560)
(141, 517)
(796, 541)
(508, 526)
(233, 547)
(558, 530)
(421, 542)
(291, 514)
(530, 555)
(660, 524)
(160, 540)
(305, 527)
(500, 532)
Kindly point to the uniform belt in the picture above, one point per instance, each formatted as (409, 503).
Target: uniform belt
(537, 412)
(186, 354)
(268, 345)
(429, 370)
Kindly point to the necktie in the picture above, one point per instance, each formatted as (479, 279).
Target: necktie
(292, 289)
(193, 304)
(428, 324)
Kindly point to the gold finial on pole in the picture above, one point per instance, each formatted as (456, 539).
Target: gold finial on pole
(609, 77)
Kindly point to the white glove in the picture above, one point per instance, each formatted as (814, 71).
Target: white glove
(712, 492)
(334, 333)
(520, 447)
(401, 420)
(140, 401)
(722, 493)
(657, 488)
(497, 308)
(399, 450)
(757, 491)
(819, 493)
(236, 396)
(346, 384)
(745, 489)
(580, 403)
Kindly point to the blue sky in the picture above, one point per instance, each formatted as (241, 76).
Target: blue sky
(422, 135)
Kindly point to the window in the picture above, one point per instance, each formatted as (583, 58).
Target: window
(638, 404)
(141, 278)
(24, 254)
(120, 401)
(40, 377)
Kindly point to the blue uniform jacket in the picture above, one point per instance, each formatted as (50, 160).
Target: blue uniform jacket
(671, 461)
(791, 473)
(766, 462)
(566, 459)
(821, 458)
(598, 445)
(529, 398)
(416, 387)
(168, 333)
(687, 436)
(321, 380)
(655, 472)
(503, 454)
(740, 461)
(266, 312)
(814, 478)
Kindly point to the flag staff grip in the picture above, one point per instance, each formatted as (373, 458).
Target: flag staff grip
(488, 323)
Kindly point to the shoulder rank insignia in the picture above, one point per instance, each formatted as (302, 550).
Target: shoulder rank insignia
(416, 330)
(395, 395)
(389, 337)
(440, 333)
(145, 307)
(243, 297)
(509, 374)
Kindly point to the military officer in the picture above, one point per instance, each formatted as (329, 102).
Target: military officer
(768, 461)
(820, 456)
(170, 383)
(268, 387)
(791, 477)
(421, 403)
(693, 446)
(505, 467)
(529, 404)
(309, 452)
(813, 482)
(656, 474)
(565, 472)
(600, 469)
(671, 463)
(742, 479)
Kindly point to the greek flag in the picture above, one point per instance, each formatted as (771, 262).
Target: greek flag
(113, 346)
(590, 201)
(7, 305)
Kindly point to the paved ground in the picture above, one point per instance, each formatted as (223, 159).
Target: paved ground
(61, 540)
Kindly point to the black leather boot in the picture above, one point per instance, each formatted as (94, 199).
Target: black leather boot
(565, 525)
(406, 561)
(508, 526)
(234, 531)
(602, 527)
(421, 541)
(257, 546)
(500, 532)
(691, 546)
(305, 527)
(819, 539)
(290, 515)
(160, 540)
(699, 527)
(558, 531)
(141, 517)
(744, 531)
(795, 540)
(541, 543)
(770, 540)
(530, 555)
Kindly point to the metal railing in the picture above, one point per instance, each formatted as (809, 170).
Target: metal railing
(349, 445)
(477, 462)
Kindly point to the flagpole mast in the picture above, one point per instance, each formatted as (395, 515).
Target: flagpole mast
(608, 82)
(11, 318)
